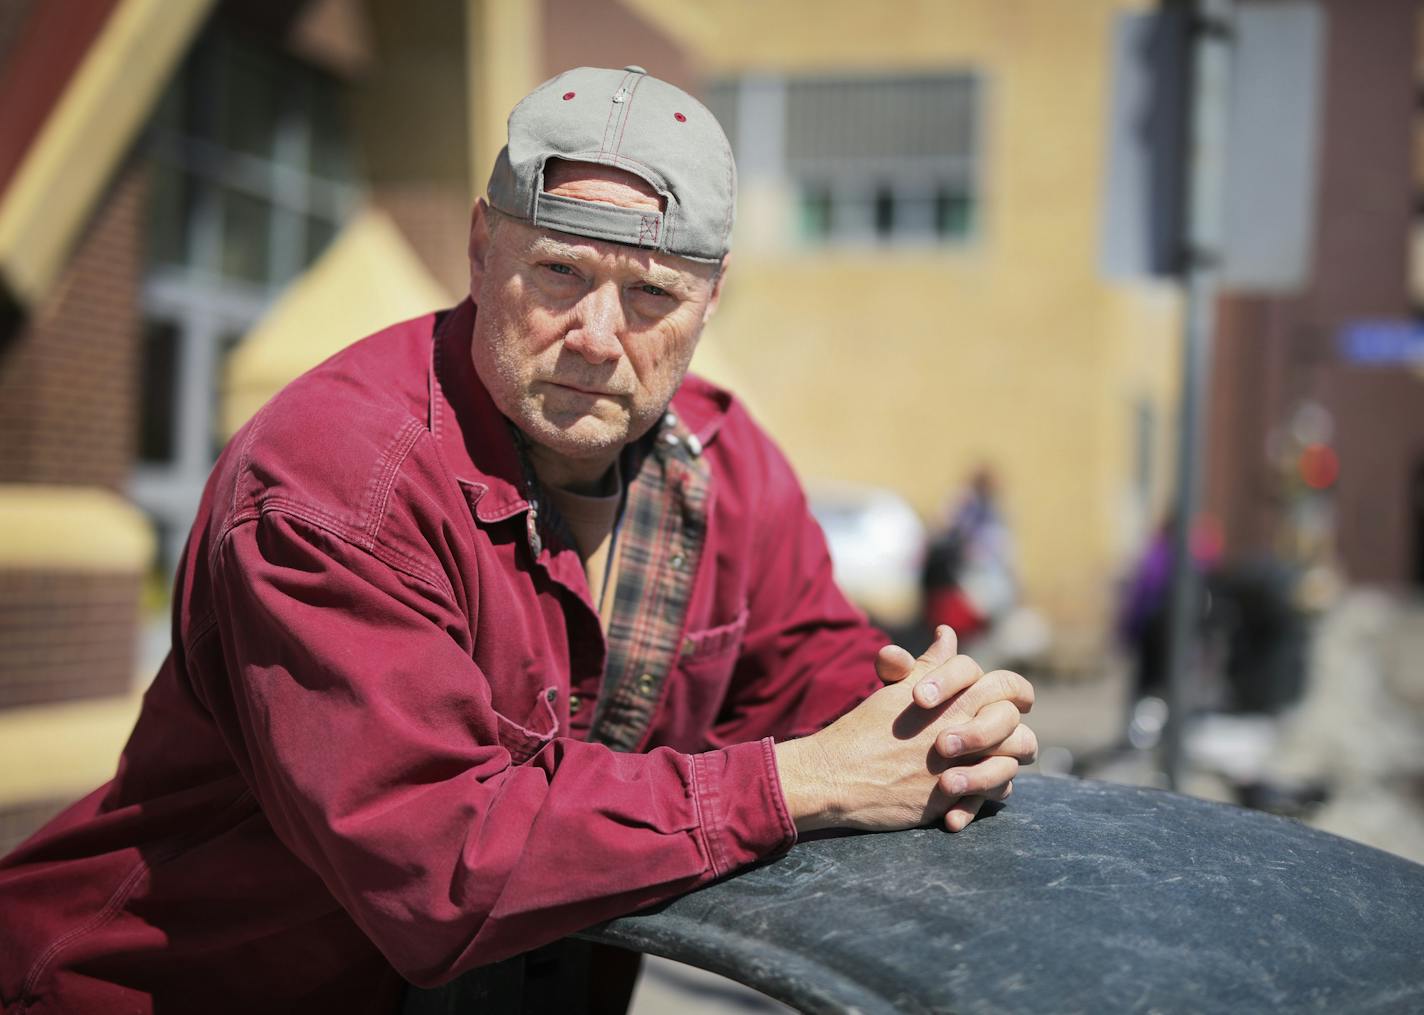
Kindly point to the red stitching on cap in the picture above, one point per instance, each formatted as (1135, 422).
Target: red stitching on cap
(612, 108)
(627, 114)
(568, 96)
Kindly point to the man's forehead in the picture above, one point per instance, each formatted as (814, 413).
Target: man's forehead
(542, 241)
(593, 182)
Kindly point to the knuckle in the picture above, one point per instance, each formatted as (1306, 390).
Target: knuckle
(1004, 770)
(963, 669)
(977, 735)
(1007, 716)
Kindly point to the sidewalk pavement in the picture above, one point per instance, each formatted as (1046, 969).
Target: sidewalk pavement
(1358, 730)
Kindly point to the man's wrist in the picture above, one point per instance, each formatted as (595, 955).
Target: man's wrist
(805, 784)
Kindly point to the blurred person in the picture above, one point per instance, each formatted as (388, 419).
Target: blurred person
(968, 577)
(493, 626)
(1144, 620)
(1143, 613)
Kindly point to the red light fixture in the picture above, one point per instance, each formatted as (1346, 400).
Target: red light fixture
(1319, 466)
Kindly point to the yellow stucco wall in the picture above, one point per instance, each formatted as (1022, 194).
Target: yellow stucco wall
(907, 367)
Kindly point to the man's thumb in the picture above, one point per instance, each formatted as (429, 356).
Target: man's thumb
(893, 664)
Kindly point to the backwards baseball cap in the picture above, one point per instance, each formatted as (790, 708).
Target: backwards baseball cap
(630, 121)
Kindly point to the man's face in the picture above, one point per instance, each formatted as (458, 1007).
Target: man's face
(582, 342)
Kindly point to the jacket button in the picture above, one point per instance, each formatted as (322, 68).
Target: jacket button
(552, 695)
(678, 560)
(688, 646)
(646, 683)
(575, 703)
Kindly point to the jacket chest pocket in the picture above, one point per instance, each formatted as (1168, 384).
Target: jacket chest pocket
(701, 678)
(526, 738)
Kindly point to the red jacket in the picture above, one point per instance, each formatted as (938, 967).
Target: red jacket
(359, 762)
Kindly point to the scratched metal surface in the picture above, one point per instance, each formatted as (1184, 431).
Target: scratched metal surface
(1078, 896)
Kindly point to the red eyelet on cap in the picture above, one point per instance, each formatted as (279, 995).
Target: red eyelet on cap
(679, 117)
(568, 96)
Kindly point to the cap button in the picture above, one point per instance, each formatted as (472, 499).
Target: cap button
(633, 68)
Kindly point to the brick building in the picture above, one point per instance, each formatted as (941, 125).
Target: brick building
(181, 180)
(1284, 373)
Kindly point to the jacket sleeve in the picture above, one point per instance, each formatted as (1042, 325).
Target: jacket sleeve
(366, 732)
(808, 654)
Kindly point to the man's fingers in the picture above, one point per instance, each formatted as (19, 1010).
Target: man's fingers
(998, 685)
(967, 808)
(1021, 745)
(893, 664)
(946, 680)
(957, 818)
(986, 732)
(979, 778)
(945, 645)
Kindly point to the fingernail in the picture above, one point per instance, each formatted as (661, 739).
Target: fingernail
(929, 693)
(957, 785)
(953, 745)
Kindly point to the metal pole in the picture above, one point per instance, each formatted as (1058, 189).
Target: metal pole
(1206, 184)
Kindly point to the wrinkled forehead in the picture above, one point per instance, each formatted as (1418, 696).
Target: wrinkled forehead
(593, 182)
(536, 241)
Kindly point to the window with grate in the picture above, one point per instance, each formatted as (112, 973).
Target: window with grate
(252, 177)
(890, 158)
(253, 170)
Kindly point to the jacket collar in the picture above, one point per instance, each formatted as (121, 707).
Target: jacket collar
(477, 441)
(472, 434)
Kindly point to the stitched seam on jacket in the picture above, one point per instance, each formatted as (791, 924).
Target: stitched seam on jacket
(121, 894)
(398, 452)
(198, 631)
(244, 458)
(391, 557)
(708, 811)
(778, 793)
(694, 786)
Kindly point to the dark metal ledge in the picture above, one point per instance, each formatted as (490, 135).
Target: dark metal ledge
(1077, 896)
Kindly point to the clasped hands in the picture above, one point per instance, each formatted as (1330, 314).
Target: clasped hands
(933, 745)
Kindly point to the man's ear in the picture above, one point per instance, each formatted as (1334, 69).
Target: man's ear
(479, 246)
(716, 296)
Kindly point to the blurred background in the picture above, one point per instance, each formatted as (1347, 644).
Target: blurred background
(972, 296)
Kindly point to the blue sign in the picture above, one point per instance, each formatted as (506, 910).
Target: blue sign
(1382, 342)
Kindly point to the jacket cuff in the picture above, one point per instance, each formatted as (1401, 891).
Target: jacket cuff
(740, 805)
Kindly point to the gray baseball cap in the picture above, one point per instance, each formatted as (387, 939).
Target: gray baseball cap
(631, 121)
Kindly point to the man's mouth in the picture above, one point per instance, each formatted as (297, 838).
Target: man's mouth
(581, 389)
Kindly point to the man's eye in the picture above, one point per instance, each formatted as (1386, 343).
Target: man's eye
(560, 269)
(653, 290)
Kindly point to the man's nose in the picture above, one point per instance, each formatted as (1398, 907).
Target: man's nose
(598, 323)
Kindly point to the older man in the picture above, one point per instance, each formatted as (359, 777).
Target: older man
(493, 626)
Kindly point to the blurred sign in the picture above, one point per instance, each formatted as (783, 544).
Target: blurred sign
(1382, 342)
(1270, 150)
(1147, 144)
(1271, 145)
